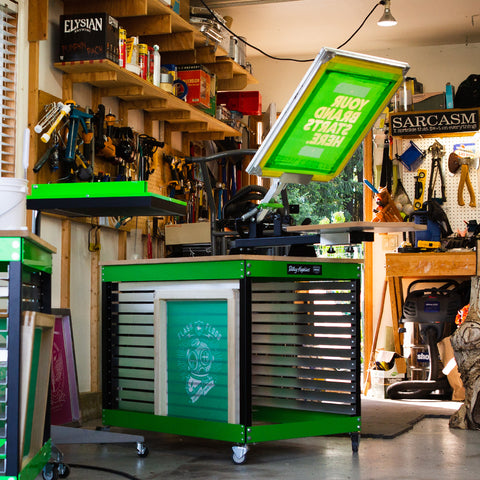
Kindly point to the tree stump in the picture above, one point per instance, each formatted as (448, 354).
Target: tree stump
(466, 346)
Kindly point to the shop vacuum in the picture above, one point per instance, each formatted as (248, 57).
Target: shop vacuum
(434, 310)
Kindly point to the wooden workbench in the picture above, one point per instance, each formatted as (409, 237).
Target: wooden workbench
(441, 265)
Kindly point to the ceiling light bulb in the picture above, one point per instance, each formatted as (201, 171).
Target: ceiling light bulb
(387, 19)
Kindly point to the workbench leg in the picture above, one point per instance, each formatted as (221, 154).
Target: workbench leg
(396, 301)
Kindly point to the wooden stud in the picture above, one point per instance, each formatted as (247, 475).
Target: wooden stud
(122, 244)
(123, 113)
(150, 25)
(65, 264)
(33, 113)
(37, 20)
(148, 124)
(96, 98)
(368, 247)
(95, 383)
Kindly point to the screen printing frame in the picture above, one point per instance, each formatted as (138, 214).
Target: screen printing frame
(274, 158)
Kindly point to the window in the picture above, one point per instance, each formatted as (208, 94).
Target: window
(8, 49)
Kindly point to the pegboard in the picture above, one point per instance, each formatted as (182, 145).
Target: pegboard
(457, 215)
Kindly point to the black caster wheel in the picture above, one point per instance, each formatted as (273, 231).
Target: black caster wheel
(355, 437)
(63, 470)
(49, 472)
(239, 454)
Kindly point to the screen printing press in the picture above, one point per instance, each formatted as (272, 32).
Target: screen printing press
(250, 348)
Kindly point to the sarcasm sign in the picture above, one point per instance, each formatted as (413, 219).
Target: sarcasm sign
(435, 122)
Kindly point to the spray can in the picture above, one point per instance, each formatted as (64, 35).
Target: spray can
(143, 59)
(156, 66)
(122, 47)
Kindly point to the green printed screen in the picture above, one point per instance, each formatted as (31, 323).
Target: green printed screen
(197, 356)
(331, 118)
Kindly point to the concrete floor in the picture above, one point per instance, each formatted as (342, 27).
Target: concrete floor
(430, 450)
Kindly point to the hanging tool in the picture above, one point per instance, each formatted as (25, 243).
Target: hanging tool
(420, 180)
(51, 112)
(437, 151)
(63, 112)
(455, 162)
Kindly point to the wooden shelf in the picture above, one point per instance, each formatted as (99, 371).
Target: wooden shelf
(114, 81)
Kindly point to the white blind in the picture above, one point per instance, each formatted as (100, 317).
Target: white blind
(8, 52)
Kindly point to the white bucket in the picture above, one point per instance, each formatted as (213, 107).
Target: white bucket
(13, 203)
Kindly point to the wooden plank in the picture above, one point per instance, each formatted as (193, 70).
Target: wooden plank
(116, 8)
(37, 20)
(34, 389)
(171, 43)
(238, 82)
(150, 25)
(95, 333)
(122, 245)
(205, 55)
(34, 108)
(65, 264)
(430, 264)
(190, 126)
(368, 247)
(151, 104)
(171, 115)
(180, 58)
(122, 91)
(92, 77)
(223, 70)
(148, 124)
(123, 113)
(199, 136)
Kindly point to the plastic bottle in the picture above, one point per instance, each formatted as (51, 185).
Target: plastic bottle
(156, 65)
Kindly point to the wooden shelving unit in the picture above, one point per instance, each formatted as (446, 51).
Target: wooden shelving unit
(139, 94)
(179, 41)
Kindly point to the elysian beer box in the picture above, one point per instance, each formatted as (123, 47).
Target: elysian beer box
(88, 36)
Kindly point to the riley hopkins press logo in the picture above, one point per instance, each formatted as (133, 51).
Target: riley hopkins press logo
(297, 269)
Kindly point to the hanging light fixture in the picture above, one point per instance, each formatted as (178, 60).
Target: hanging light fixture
(387, 19)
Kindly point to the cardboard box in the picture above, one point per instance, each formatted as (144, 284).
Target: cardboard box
(197, 79)
(88, 36)
(187, 233)
(382, 379)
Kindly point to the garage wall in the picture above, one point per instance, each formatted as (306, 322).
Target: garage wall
(432, 66)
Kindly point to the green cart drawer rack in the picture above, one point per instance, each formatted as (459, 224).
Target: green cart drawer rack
(243, 349)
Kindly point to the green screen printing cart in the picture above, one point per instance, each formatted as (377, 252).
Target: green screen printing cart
(243, 349)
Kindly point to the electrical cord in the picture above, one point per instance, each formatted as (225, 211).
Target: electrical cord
(214, 15)
(382, 2)
(103, 469)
